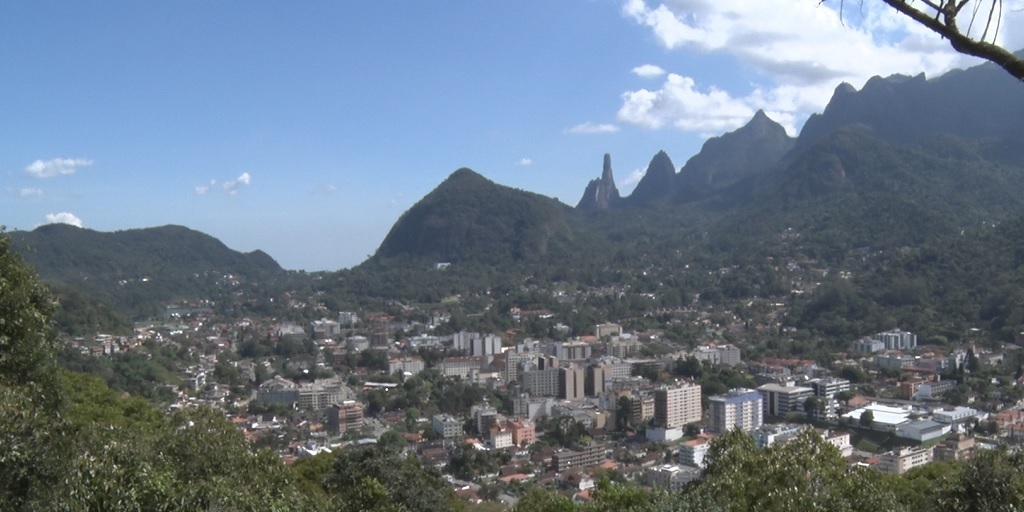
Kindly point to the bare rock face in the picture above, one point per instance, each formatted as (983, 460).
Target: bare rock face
(601, 194)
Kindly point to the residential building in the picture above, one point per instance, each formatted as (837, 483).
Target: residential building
(460, 367)
(900, 461)
(622, 346)
(542, 382)
(571, 383)
(325, 329)
(671, 476)
(723, 355)
(406, 365)
(643, 408)
(958, 447)
(573, 351)
(868, 346)
(829, 387)
(840, 440)
(934, 389)
(677, 406)
(530, 408)
(345, 416)
(602, 330)
(594, 380)
(476, 345)
(499, 438)
(514, 364)
(782, 399)
(897, 339)
(588, 455)
(446, 426)
(692, 452)
(315, 395)
(348, 318)
(524, 433)
(486, 417)
(739, 408)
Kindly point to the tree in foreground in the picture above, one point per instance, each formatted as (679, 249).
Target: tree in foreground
(947, 17)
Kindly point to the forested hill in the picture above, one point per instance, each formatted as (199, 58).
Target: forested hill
(470, 218)
(138, 270)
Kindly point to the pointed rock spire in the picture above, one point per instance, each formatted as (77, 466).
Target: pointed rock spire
(601, 194)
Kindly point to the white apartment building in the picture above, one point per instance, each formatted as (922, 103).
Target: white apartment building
(677, 406)
(739, 408)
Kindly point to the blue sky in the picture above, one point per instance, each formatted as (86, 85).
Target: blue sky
(305, 129)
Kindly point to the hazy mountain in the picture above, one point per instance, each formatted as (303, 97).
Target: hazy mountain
(601, 194)
(470, 218)
(980, 102)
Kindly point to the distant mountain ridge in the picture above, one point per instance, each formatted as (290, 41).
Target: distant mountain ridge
(901, 160)
(136, 270)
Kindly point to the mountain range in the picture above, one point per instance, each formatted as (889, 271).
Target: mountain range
(902, 161)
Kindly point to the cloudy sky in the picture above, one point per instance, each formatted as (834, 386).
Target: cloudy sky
(305, 129)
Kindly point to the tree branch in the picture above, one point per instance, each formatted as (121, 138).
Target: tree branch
(960, 42)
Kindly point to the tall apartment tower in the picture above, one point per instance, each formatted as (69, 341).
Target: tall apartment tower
(677, 406)
(571, 383)
(739, 408)
(593, 384)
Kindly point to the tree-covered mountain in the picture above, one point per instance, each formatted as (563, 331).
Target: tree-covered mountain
(657, 185)
(137, 271)
(470, 218)
(980, 102)
(727, 159)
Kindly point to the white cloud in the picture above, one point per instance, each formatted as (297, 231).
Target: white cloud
(27, 192)
(525, 161)
(232, 187)
(633, 178)
(201, 190)
(332, 189)
(56, 167)
(799, 51)
(589, 127)
(648, 71)
(63, 218)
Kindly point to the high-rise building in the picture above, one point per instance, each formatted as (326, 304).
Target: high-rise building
(345, 416)
(593, 384)
(476, 345)
(513, 365)
(642, 408)
(571, 383)
(739, 408)
(677, 406)
(780, 400)
(573, 351)
(542, 382)
(897, 339)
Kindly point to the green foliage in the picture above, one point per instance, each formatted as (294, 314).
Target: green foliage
(992, 481)
(26, 338)
(806, 474)
(377, 477)
(138, 271)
